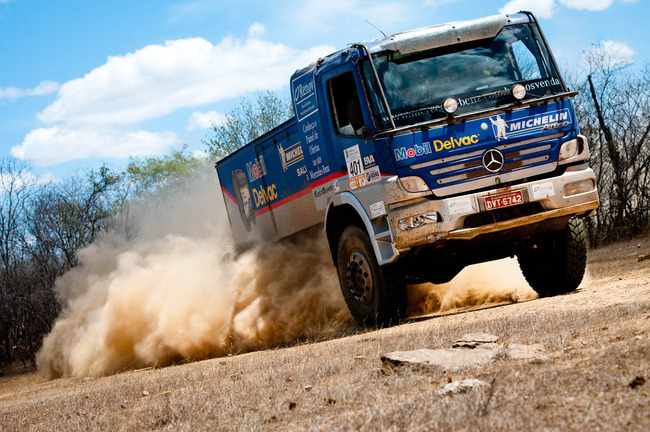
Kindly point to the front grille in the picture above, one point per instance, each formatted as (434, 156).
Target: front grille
(468, 166)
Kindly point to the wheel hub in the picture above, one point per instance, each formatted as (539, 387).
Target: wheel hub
(360, 278)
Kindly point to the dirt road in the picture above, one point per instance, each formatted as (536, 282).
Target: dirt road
(594, 374)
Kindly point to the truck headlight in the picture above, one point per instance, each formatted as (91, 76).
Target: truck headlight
(414, 184)
(419, 220)
(579, 187)
(518, 92)
(450, 105)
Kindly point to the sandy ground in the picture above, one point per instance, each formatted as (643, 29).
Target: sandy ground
(595, 374)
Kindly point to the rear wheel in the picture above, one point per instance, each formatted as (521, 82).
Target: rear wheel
(557, 263)
(375, 295)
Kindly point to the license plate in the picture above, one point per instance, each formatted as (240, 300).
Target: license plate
(504, 200)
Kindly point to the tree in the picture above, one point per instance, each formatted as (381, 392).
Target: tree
(247, 121)
(69, 215)
(613, 110)
(148, 174)
(16, 185)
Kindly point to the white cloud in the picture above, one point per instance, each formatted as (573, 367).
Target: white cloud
(609, 54)
(591, 5)
(50, 146)
(160, 79)
(91, 115)
(541, 8)
(256, 30)
(13, 93)
(546, 8)
(205, 120)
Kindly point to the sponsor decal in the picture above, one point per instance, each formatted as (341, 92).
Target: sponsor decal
(256, 169)
(543, 190)
(451, 143)
(320, 172)
(301, 91)
(411, 152)
(291, 155)
(436, 146)
(264, 196)
(499, 94)
(357, 182)
(369, 161)
(301, 171)
(311, 133)
(540, 122)
(377, 209)
(362, 171)
(323, 190)
(372, 175)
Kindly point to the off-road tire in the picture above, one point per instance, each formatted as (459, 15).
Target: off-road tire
(557, 264)
(375, 295)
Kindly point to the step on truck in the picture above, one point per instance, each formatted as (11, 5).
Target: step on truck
(419, 154)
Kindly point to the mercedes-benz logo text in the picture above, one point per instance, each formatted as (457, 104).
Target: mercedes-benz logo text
(493, 160)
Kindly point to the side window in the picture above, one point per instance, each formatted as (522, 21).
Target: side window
(526, 62)
(345, 105)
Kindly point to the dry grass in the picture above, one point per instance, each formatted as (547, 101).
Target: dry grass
(597, 340)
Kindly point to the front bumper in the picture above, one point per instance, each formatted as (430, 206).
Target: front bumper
(556, 198)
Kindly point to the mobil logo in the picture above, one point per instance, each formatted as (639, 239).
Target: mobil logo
(402, 153)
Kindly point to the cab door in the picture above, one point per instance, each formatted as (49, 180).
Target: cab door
(354, 151)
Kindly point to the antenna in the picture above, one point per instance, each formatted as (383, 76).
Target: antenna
(377, 28)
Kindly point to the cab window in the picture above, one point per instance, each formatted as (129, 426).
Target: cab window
(345, 105)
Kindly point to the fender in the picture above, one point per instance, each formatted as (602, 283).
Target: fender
(378, 229)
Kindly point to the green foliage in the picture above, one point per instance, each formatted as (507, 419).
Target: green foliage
(248, 120)
(150, 173)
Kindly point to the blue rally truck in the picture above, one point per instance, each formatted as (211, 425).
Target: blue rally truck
(422, 153)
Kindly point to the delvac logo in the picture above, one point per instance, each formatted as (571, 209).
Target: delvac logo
(403, 153)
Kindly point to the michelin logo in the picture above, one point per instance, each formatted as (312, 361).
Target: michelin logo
(539, 122)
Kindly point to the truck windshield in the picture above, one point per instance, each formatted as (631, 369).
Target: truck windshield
(478, 74)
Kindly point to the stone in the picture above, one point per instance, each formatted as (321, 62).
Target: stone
(462, 387)
(470, 350)
(472, 340)
(447, 358)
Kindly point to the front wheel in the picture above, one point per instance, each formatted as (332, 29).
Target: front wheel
(557, 263)
(375, 295)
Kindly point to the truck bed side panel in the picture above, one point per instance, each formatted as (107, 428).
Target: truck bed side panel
(266, 187)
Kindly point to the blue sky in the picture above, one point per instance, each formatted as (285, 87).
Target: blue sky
(86, 82)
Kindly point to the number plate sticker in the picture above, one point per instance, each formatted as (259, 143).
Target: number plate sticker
(504, 200)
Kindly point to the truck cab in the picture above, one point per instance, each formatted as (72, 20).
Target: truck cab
(427, 151)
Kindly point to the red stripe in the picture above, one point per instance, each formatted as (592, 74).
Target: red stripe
(290, 198)
(327, 179)
(276, 204)
(229, 196)
(273, 205)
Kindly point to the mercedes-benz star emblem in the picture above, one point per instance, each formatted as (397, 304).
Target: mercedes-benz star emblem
(493, 160)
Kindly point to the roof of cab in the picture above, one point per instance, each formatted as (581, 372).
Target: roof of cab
(428, 37)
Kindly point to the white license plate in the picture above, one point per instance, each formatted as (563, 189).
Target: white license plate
(504, 200)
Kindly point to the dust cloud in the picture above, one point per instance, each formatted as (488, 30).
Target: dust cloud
(491, 282)
(167, 287)
(177, 291)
